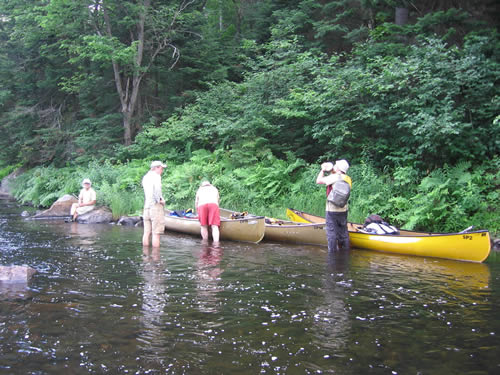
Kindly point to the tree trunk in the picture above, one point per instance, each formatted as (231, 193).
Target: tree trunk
(401, 16)
(127, 128)
(128, 94)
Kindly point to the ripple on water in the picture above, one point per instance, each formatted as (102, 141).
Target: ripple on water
(100, 304)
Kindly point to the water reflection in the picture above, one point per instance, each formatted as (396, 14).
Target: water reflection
(464, 281)
(208, 276)
(154, 297)
(14, 291)
(401, 305)
(331, 318)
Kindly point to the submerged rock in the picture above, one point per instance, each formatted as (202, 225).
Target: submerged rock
(16, 274)
(129, 220)
(98, 215)
(495, 244)
(61, 207)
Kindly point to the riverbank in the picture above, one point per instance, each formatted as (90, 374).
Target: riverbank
(102, 215)
(446, 200)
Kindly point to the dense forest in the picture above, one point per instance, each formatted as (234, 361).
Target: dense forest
(253, 95)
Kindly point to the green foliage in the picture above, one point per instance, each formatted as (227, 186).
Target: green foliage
(43, 185)
(5, 171)
(448, 199)
(262, 91)
(452, 198)
(117, 186)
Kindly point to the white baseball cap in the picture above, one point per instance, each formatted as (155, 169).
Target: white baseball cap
(342, 165)
(327, 166)
(158, 163)
(86, 181)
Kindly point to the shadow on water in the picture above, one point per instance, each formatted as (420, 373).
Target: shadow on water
(101, 303)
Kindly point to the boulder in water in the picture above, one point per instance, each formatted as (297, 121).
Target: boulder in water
(16, 274)
(129, 220)
(98, 215)
(495, 245)
(61, 207)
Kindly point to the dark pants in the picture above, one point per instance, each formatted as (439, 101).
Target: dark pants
(336, 231)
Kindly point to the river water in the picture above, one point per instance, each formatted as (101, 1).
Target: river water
(100, 304)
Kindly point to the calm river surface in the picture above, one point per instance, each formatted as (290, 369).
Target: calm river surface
(101, 305)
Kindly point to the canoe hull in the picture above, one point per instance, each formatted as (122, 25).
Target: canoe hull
(310, 234)
(471, 246)
(291, 232)
(249, 229)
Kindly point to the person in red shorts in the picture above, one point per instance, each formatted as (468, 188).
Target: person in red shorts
(207, 206)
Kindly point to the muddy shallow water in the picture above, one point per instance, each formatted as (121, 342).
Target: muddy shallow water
(100, 304)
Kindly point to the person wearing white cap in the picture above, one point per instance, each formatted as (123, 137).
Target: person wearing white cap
(207, 206)
(86, 200)
(336, 217)
(154, 213)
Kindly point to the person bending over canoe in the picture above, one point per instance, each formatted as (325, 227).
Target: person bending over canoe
(336, 216)
(207, 206)
(154, 213)
(86, 200)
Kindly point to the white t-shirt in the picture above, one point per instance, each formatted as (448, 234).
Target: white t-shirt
(87, 196)
(151, 183)
(207, 194)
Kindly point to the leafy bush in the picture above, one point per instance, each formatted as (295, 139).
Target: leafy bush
(448, 199)
(5, 171)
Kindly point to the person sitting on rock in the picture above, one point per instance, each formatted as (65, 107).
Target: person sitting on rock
(86, 200)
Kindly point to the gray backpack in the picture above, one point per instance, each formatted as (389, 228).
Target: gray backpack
(339, 195)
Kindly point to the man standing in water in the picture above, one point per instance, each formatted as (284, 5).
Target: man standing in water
(154, 214)
(207, 206)
(336, 217)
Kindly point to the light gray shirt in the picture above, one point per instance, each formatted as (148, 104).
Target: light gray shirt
(151, 183)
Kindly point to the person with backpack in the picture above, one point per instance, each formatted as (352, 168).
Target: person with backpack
(338, 189)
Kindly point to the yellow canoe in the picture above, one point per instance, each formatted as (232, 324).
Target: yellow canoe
(471, 246)
(248, 229)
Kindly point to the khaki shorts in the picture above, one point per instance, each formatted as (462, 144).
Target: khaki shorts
(154, 219)
(80, 210)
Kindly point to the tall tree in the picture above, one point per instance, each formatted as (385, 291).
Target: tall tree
(129, 36)
(164, 22)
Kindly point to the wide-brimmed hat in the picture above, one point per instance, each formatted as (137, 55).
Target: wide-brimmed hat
(158, 163)
(86, 181)
(342, 165)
